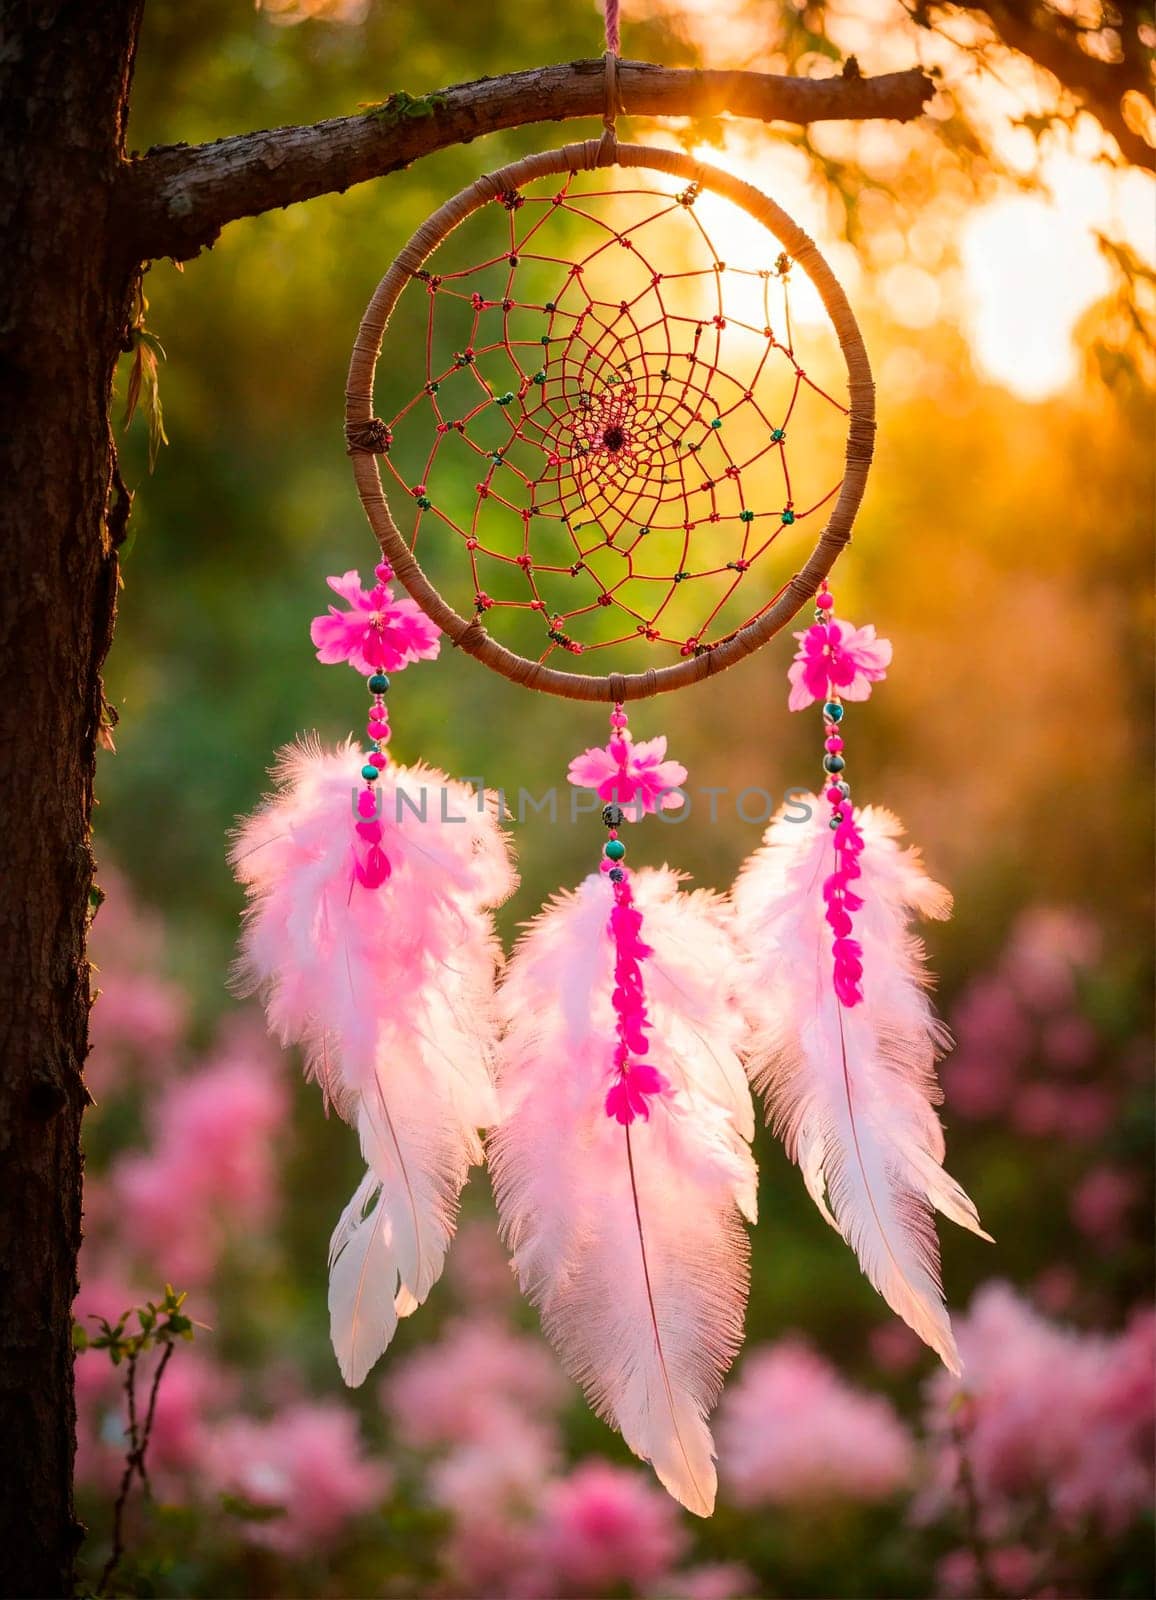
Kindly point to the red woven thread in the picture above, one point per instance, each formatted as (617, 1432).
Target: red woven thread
(609, 427)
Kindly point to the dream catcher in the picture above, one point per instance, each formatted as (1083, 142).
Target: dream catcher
(629, 425)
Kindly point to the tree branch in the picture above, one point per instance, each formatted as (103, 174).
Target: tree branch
(175, 200)
(1052, 40)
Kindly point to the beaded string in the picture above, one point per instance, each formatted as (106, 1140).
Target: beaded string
(635, 1081)
(840, 898)
(370, 863)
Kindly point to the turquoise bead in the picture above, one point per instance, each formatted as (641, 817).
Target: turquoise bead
(833, 763)
(833, 711)
(379, 683)
(370, 774)
(615, 849)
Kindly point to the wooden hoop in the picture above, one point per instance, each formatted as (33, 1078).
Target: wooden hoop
(362, 428)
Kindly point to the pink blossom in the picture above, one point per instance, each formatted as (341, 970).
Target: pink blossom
(1069, 1042)
(717, 1580)
(603, 1527)
(957, 1575)
(1052, 1416)
(835, 656)
(492, 1490)
(792, 1430)
(458, 1389)
(192, 1388)
(209, 1173)
(138, 1016)
(377, 633)
(1101, 1203)
(1038, 1110)
(309, 1462)
(636, 776)
(894, 1348)
(478, 1269)
(1048, 946)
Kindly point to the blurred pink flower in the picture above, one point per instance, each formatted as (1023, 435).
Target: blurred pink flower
(377, 633)
(466, 1385)
(719, 1580)
(478, 1269)
(957, 1575)
(492, 1489)
(1046, 1417)
(791, 1429)
(1087, 1112)
(192, 1389)
(137, 1018)
(1038, 1110)
(993, 1039)
(309, 1461)
(834, 655)
(1069, 1042)
(603, 1527)
(894, 1347)
(209, 1174)
(1047, 947)
(1013, 1567)
(1101, 1203)
(1055, 1290)
(636, 776)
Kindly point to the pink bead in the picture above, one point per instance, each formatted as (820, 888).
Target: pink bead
(378, 730)
(366, 803)
(834, 795)
(376, 759)
(834, 744)
(605, 864)
(825, 601)
(383, 571)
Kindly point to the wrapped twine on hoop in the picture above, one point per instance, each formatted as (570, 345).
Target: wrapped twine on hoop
(367, 436)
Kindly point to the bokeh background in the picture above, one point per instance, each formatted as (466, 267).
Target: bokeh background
(996, 259)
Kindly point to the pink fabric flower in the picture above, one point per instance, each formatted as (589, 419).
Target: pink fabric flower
(637, 776)
(377, 633)
(791, 1430)
(835, 656)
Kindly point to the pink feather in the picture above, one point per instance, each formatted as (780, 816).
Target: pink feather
(389, 990)
(852, 1090)
(629, 1239)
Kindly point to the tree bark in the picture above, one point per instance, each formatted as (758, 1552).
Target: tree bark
(65, 70)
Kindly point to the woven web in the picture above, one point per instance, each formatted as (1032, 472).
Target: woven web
(612, 423)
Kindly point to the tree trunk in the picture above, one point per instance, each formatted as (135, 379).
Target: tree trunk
(65, 69)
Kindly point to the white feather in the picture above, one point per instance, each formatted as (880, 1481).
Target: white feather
(852, 1090)
(390, 992)
(630, 1240)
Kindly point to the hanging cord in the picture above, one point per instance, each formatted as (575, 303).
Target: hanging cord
(608, 148)
(613, 40)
